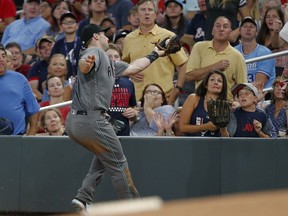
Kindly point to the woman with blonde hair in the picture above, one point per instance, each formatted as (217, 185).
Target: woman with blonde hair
(58, 67)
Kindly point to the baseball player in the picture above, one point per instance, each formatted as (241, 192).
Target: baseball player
(86, 123)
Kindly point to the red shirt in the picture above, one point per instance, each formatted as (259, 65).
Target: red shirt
(7, 9)
(64, 110)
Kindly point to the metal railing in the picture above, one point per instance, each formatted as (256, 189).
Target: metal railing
(273, 55)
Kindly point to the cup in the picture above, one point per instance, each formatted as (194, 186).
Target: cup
(282, 132)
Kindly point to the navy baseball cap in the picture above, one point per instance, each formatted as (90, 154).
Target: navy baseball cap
(6, 127)
(179, 2)
(67, 14)
(248, 19)
(121, 34)
(89, 30)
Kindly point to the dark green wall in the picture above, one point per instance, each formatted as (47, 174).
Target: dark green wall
(42, 174)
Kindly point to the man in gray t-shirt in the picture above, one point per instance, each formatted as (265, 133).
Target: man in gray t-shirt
(86, 123)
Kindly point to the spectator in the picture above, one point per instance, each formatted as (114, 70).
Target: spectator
(123, 99)
(253, 7)
(7, 14)
(260, 72)
(55, 90)
(111, 28)
(70, 45)
(38, 72)
(51, 121)
(278, 109)
(16, 51)
(153, 101)
(264, 5)
(273, 18)
(162, 71)
(175, 20)
(217, 54)
(247, 120)
(46, 11)
(58, 9)
(19, 100)
(58, 67)
(97, 12)
(229, 9)
(196, 29)
(119, 38)
(194, 118)
(76, 9)
(9, 60)
(85, 8)
(119, 10)
(132, 19)
(27, 30)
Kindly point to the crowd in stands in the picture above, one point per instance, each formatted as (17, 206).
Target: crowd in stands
(41, 47)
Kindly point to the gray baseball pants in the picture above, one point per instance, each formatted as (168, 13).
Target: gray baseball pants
(91, 130)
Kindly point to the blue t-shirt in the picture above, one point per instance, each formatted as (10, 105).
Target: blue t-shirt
(241, 123)
(25, 32)
(142, 128)
(266, 67)
(17, 99)
(123, 96)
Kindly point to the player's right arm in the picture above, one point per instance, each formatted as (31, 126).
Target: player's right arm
(86, 64)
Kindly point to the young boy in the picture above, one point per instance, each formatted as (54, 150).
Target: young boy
(70, 45)
(247, 120)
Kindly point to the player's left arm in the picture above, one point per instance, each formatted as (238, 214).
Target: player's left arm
(142, 63)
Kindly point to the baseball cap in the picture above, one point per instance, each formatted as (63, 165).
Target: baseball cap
(67, 14)
(89, 30)
(236, 88)
(28, 1)
(248, 19)
(6, 127)
(45, 38)
(179, 2)
(121, 34)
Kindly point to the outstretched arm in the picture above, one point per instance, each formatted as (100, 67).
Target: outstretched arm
(142, 63)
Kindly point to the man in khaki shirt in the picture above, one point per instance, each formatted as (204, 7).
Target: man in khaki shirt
(217, 54)
(139, 43)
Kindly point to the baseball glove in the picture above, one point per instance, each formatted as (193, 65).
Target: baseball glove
(169, 44)
(219, 112)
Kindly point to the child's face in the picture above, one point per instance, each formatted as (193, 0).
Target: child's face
(133, 20)
(246, 98)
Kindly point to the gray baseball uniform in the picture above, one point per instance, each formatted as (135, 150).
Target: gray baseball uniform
(86, 125)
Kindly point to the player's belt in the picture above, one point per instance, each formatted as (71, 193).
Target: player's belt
(85, 112)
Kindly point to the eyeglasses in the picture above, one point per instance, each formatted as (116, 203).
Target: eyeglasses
(153, 92)
(69, 22)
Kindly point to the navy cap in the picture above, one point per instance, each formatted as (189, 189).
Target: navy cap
(67, 14)
(248, 19)
(121, 34)
(89, 30)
